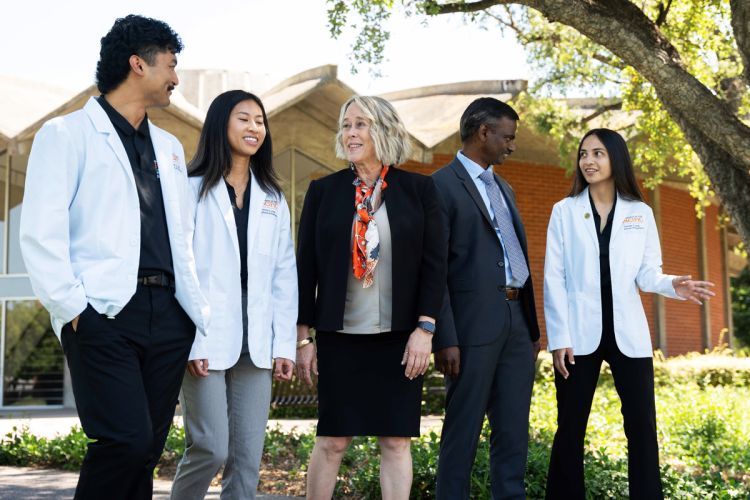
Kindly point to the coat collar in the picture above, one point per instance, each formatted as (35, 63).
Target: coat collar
(103, 125)
(258, 197)
(463, 176)
(257, 203)
(583, 206)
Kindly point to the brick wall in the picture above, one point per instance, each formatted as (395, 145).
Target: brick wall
(538, 187)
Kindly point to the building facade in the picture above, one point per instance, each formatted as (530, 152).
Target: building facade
(303, 113)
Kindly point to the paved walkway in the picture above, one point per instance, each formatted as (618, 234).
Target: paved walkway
(25, 483)
(29, 483)
(51, 423)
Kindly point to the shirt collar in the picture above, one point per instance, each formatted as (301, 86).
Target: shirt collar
(473, 168)
(120, 122)
(593, 207)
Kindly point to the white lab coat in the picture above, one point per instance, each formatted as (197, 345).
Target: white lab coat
(81, 225)
(271, 276)
(572, 290)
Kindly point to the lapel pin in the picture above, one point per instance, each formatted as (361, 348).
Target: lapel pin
(586, 215)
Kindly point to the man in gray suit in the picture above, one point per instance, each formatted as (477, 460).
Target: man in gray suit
(487, 335)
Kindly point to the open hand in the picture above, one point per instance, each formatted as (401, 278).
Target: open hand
(694, 291)
(307, 363)
(417, 353)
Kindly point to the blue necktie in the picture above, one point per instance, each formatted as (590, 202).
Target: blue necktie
(504, 224)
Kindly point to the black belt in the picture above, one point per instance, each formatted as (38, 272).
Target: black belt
(512, 293)
(160, 279)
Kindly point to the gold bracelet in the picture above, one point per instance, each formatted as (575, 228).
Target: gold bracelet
(304, 342)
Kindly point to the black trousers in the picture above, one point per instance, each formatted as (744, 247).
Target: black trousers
(126, 374)
(634, 381)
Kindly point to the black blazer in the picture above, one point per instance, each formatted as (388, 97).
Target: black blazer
(324, 252)
(474, 311)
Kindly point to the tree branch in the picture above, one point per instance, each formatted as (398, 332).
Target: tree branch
(601, 110)
(609, 61)
(663, 12)
(456, 7)
(741, 26)
(624, 29)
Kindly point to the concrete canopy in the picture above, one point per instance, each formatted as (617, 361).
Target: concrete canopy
(22, 102)
(180, 118)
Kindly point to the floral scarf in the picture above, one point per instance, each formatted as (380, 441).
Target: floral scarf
(366, 245)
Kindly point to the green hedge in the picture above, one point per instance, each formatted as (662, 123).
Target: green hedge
(703, 403)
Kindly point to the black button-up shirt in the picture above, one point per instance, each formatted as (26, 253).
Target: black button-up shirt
(156, 254)
(241, 216)
(608, 323)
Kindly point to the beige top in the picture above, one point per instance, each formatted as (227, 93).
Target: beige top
(369, 310)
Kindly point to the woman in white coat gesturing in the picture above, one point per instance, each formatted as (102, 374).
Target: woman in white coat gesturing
(246, 268)
(602, 247)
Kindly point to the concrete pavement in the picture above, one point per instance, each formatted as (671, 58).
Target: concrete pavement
(32, 483)
(51, 423)
(28, 484)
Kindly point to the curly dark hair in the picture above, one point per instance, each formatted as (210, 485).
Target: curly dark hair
(142, 36)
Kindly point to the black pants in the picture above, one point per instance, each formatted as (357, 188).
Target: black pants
(126, 374)
(634, 381)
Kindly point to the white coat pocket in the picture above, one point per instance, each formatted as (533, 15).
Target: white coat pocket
(266, 233)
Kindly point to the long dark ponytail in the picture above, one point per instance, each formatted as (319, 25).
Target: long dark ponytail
(213, 158)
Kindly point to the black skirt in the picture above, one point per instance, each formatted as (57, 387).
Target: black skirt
(362, 389)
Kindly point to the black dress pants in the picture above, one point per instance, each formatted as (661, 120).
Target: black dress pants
(634, 381)
(126, 375)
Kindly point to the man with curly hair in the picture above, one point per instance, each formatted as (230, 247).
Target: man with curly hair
(106, 236)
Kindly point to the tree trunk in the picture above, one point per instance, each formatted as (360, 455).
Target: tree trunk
(730, 179)
(719, 138)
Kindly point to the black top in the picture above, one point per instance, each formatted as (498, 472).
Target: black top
(156, 254)
(608, 324)
(240, 220)
(324, 249)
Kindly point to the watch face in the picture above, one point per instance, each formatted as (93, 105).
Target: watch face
(427, 326)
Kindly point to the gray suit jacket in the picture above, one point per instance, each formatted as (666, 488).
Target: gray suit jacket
(471, 313)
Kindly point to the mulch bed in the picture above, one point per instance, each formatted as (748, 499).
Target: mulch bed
(279, 476)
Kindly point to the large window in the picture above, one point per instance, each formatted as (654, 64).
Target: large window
(33, 364)
(296, 170)
(15, 198)
(31, 359)
(4, 158)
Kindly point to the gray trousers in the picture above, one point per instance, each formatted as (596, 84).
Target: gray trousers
(225, 417)
(496, 379)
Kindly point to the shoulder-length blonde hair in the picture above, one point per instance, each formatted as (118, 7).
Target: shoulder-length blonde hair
(389, 135)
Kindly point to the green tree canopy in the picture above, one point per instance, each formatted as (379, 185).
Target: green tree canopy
(680, 68)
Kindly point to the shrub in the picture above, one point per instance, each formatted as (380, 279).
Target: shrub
(19, 447)
(702, 407)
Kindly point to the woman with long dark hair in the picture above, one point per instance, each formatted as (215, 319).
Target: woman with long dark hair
(246, 268)
(602, 248)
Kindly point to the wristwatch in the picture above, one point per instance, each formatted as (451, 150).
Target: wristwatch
(427, 326)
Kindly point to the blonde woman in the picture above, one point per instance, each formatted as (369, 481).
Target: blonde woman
(371, 245)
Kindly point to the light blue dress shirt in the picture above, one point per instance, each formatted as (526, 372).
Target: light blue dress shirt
(475, 170)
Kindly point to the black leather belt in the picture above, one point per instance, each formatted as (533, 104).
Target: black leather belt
(160, 279)
(512, 293)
